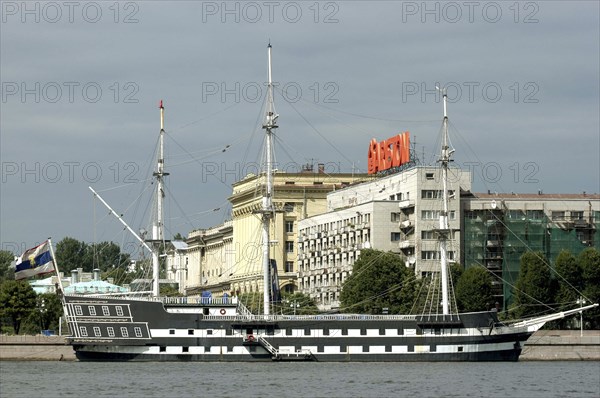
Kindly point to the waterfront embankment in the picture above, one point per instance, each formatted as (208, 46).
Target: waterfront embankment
(545, 345)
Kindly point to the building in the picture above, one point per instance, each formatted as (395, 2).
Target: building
(399, 213)
(228, 258)
(499, 228)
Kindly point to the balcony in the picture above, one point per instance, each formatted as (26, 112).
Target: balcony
(404, 204)
(405, 244)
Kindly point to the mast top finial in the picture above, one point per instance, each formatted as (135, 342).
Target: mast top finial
(161, 104)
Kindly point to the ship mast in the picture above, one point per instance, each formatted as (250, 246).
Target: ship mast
(158, 224)
(444, 228)
(267, 200)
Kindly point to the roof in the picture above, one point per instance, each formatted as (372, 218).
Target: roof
(534, 196)
(94, 287)
(179, 245)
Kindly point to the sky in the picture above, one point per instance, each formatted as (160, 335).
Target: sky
(81, 83)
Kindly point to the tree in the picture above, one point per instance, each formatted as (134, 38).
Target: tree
(375, 283)
(474, 290)
(71, 254)
(569, 282)
(6, 270)
(295, 303)
(534, 286)
(17, 301)
(589, 261)
(252, 301)
(104, 256)
(178, 236)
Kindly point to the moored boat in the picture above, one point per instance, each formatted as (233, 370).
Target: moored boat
(222, 329)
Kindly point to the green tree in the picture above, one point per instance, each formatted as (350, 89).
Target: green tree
(71, 254)
(534, 286)
(589, 261)
(17, 301)
(178, 236)
(474, 290)
(252, 301)
(296, 303)
(569, 283)
(119, 275)
(375, 283)
(104, 256)
(7, 271)
(46, 314)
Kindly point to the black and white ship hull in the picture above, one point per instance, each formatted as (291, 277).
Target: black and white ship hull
(111, 329)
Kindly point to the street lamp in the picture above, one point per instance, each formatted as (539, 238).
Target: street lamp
(581, 302)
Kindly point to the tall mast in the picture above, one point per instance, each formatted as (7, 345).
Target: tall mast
(267, 200)
(444, 228)
(157, 226)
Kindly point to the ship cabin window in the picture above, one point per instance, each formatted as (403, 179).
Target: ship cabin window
(205, 311)
(163, 348)
(119, 310)
(97, 331)
(288, 331)
(78, 310)
(228, 332)
(307, 331)
(363, 332)
(92, 310)
(365, 348)
(185, 349)
(325, 332)
(381, 331)
(249, 331)
(171, 331)
(83, 331)
(124, 332)
(320, 348)
(138, 331)
(190, 332)
(437, 331)
(344, 332)
(400, 332)
(388, 348)
(111, 331)
(105, 310)
(460, 349)
(209, 332)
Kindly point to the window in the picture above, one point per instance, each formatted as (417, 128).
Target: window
(576, 215)
(428, 235)
(105, 310)
(429, 176)
(97, 331)
(430, 214)
(119, 310)
(185, 349)
(190, 332)
(163, 349)
(124, 332)
(111, 331)
(536, 214)
(92, 310)
(395, 217)
(435, 255)
(78, 310)
(171, 331)
(395, 236)
(558, 215)
(288, 207)
(83, 331)
(138, 331)
(431, 194)
(307, 331)
(289, 266)
(289, 227)
(289, 246)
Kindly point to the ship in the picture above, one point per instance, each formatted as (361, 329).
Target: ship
(154, 328)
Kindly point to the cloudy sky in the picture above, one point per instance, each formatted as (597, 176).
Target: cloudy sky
(81, 82)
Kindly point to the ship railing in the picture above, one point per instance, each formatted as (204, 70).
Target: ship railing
(336, 317)
(216, 301)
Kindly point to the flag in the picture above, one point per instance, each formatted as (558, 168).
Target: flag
(35, 261)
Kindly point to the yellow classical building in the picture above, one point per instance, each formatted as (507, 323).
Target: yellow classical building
(228, 258)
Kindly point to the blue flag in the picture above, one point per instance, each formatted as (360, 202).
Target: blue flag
(34, 261)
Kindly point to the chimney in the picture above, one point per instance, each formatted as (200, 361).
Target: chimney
(74, 276)
(321, 168)
(96, 274)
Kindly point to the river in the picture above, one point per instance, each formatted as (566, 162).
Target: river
(88, 379)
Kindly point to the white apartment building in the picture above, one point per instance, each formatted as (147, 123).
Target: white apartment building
(398, 213)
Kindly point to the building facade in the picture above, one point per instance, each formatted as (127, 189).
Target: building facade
(499, 228)
(399, 213)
